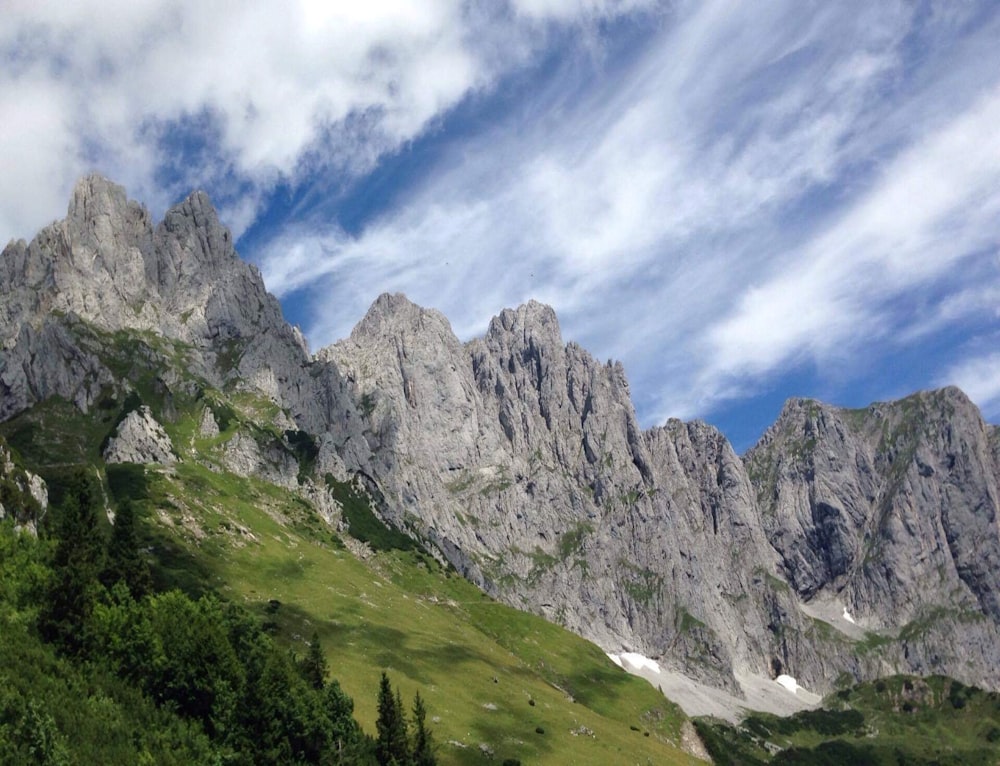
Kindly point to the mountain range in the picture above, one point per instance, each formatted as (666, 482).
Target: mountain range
(845, 545)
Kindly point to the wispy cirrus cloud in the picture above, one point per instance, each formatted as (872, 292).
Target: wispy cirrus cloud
(167, 95)
(765, 188)
(935, 205)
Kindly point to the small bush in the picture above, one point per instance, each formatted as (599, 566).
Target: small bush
(539, 730)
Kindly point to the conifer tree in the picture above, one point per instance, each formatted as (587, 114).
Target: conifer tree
(124, 561)
(313, 667)
(76, 565)
(392, 746)
(423, 746)
(346, 736)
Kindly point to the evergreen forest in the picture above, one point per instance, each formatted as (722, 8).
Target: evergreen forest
(101, 666)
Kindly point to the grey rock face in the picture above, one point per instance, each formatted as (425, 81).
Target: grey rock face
(91, 264)
(139, 439)
(520, 459)
(44, 360)
(107, 264)
(106, 267)
(893, 511)
(895, 507)
(245, 456)
(209, 427)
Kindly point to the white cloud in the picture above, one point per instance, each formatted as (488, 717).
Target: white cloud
(757, 187)
(979, 378)
(666, 202)
(278, 88)
(567, 10)
(39, 152)
(977, 296)
(935, 205)
(668, 217)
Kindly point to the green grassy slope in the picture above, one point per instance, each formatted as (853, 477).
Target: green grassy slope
(478, 664)
(496, 682)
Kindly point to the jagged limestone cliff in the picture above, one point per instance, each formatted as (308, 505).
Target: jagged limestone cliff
(519, 458)
(105, 268)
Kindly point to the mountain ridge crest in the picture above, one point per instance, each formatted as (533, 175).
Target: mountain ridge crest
(519, 459)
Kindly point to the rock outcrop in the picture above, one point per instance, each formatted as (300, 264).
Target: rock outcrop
(139, 439)
(245, 456)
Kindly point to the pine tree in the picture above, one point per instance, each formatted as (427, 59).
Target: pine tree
(391, 745)
(76, 565)
(124, 560)
(313, 667)
(423, 746)
(346, 736)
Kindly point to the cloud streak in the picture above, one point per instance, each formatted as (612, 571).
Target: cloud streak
(762, 190)
(271, 93)
(937, 204)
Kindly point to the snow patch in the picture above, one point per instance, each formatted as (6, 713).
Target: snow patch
(637, 661)
(758, 692)
(847, 616)
(789, 683)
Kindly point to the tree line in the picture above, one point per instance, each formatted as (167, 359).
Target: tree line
(220, 687)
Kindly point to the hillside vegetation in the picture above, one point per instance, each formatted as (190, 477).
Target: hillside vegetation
(897, 720)
(495, 683)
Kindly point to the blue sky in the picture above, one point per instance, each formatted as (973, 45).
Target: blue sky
(741, 201)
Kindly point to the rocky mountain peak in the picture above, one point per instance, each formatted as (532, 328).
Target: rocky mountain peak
(91, 264)
(94, 197)
(533, 323)
(106, 268)
(193, 243)
(395, 314)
